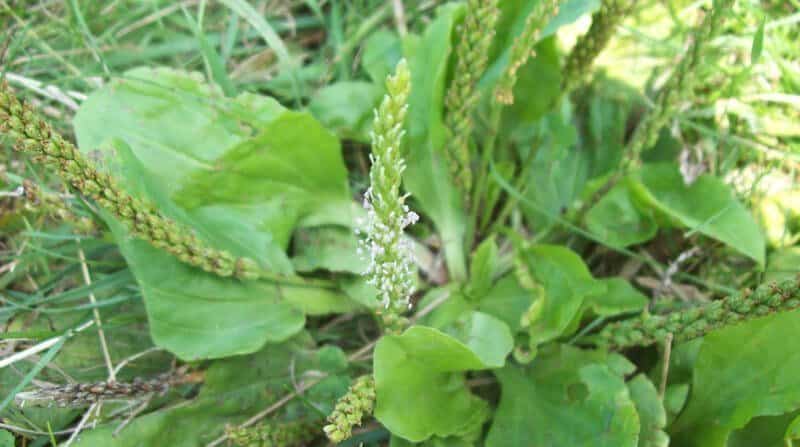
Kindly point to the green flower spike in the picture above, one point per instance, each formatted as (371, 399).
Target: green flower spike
(588, 47)
(351, 409)
(285, 434)
(522, 49)
(55, 207)
(698, 321)
(34, 136)
(679, 88)
(384, 247)
(472, 54)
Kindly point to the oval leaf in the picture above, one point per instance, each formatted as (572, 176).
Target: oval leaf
(419, 381)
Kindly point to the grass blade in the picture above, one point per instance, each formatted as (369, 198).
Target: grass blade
(247, 12)
(43, 361)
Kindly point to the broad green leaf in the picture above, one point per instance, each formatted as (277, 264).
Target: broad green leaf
(453, 305)
(292, 86)
(566, 282)
(486, 336)
(198, 315)
(6, 439)
(332, 359)
(507, 301)
(565, 397)
(330, 248)
(248, 313)
(346, 108)
(537, 90)
(707, 206)
(617, 298)
(293, 166)
(357, 289)
(419, 377)
(382, 51)
(652, 416)
(150, 109)
(675, 397)
(765, 431)
(605, 106)
(427, 176)
(741, 372)
(234, 390)
(243, 175)
(682, 362)
(124, 123)
(452, 441)
(783, 264)
(318, 301)
(566, 291)
(558, 172)
(617, 222)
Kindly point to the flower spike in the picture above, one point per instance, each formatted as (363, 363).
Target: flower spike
(384, 246)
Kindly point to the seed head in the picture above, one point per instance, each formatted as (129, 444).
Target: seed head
(696, 322)
(351, 409)
(522, 49)
(472, 53)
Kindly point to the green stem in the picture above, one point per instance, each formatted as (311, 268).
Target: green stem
(483, 173)
(512, 202)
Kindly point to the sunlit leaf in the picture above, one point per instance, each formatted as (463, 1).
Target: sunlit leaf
(707, 206)
(616, 221)
(346, 108)
(419, 377)
(243, 176)
(565, 397)
(728, 390)
(652, 416)
(565, 282)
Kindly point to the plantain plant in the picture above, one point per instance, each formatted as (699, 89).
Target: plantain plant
(442, 279)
